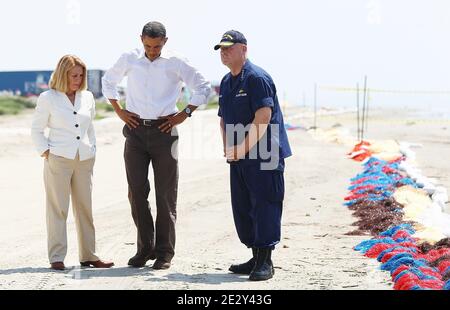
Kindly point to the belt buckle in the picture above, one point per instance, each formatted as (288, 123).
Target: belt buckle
(147, 122)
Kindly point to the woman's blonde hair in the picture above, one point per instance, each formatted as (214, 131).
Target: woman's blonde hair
(60, 77)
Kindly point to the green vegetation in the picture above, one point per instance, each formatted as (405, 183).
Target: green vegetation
(99, 116)
(14, 105)
(210, 105)
(180, 105)
(103, 107)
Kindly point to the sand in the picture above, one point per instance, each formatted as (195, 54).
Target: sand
(314, 252)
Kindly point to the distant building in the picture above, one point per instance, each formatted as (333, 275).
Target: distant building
(95, 82)
(29, 83)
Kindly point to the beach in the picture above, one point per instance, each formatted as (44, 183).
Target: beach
(314, 253)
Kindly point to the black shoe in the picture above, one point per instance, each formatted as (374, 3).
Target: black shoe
(140, 260)
(161, 264)
(245, 268)
(263, 269)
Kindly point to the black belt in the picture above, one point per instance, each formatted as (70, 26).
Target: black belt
(151, 122)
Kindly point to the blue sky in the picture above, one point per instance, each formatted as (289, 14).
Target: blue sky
(398, 44)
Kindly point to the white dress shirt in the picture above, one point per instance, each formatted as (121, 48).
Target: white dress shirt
(71, 128)
(153, 87)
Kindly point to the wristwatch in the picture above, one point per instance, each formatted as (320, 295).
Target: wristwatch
(188, 111)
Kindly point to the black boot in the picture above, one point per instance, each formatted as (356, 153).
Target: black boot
(245, 268)
(269, 261)
(263, 268)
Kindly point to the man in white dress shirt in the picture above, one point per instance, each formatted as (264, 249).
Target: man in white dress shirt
(155, 79)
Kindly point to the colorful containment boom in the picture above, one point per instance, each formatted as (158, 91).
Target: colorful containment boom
(404, 214)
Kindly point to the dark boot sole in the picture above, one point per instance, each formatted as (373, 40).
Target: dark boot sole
(161, 267)
(141, 263)
(260, 278)
(246, 272)
(137, 265)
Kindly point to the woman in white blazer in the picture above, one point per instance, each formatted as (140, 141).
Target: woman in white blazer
(67, 110)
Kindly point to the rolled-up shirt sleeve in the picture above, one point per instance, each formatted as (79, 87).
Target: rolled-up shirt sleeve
(196, 82)
(40, 122)
(113, 77)
(262, 94)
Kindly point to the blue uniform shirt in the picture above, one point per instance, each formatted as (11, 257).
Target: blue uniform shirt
(239, 99)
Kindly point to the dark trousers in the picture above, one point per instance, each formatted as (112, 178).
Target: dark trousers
(257, 201)
(145, 145)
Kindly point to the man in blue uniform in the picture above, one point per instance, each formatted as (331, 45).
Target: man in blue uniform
(255, 145)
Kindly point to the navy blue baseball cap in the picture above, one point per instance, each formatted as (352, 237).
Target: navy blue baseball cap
(231, 37)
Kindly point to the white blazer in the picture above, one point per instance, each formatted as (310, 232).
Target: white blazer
(71, 128)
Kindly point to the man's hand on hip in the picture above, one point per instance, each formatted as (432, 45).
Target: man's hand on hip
(172, 121)
(130, 118)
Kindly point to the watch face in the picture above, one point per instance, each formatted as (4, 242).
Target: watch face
(188, 111)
